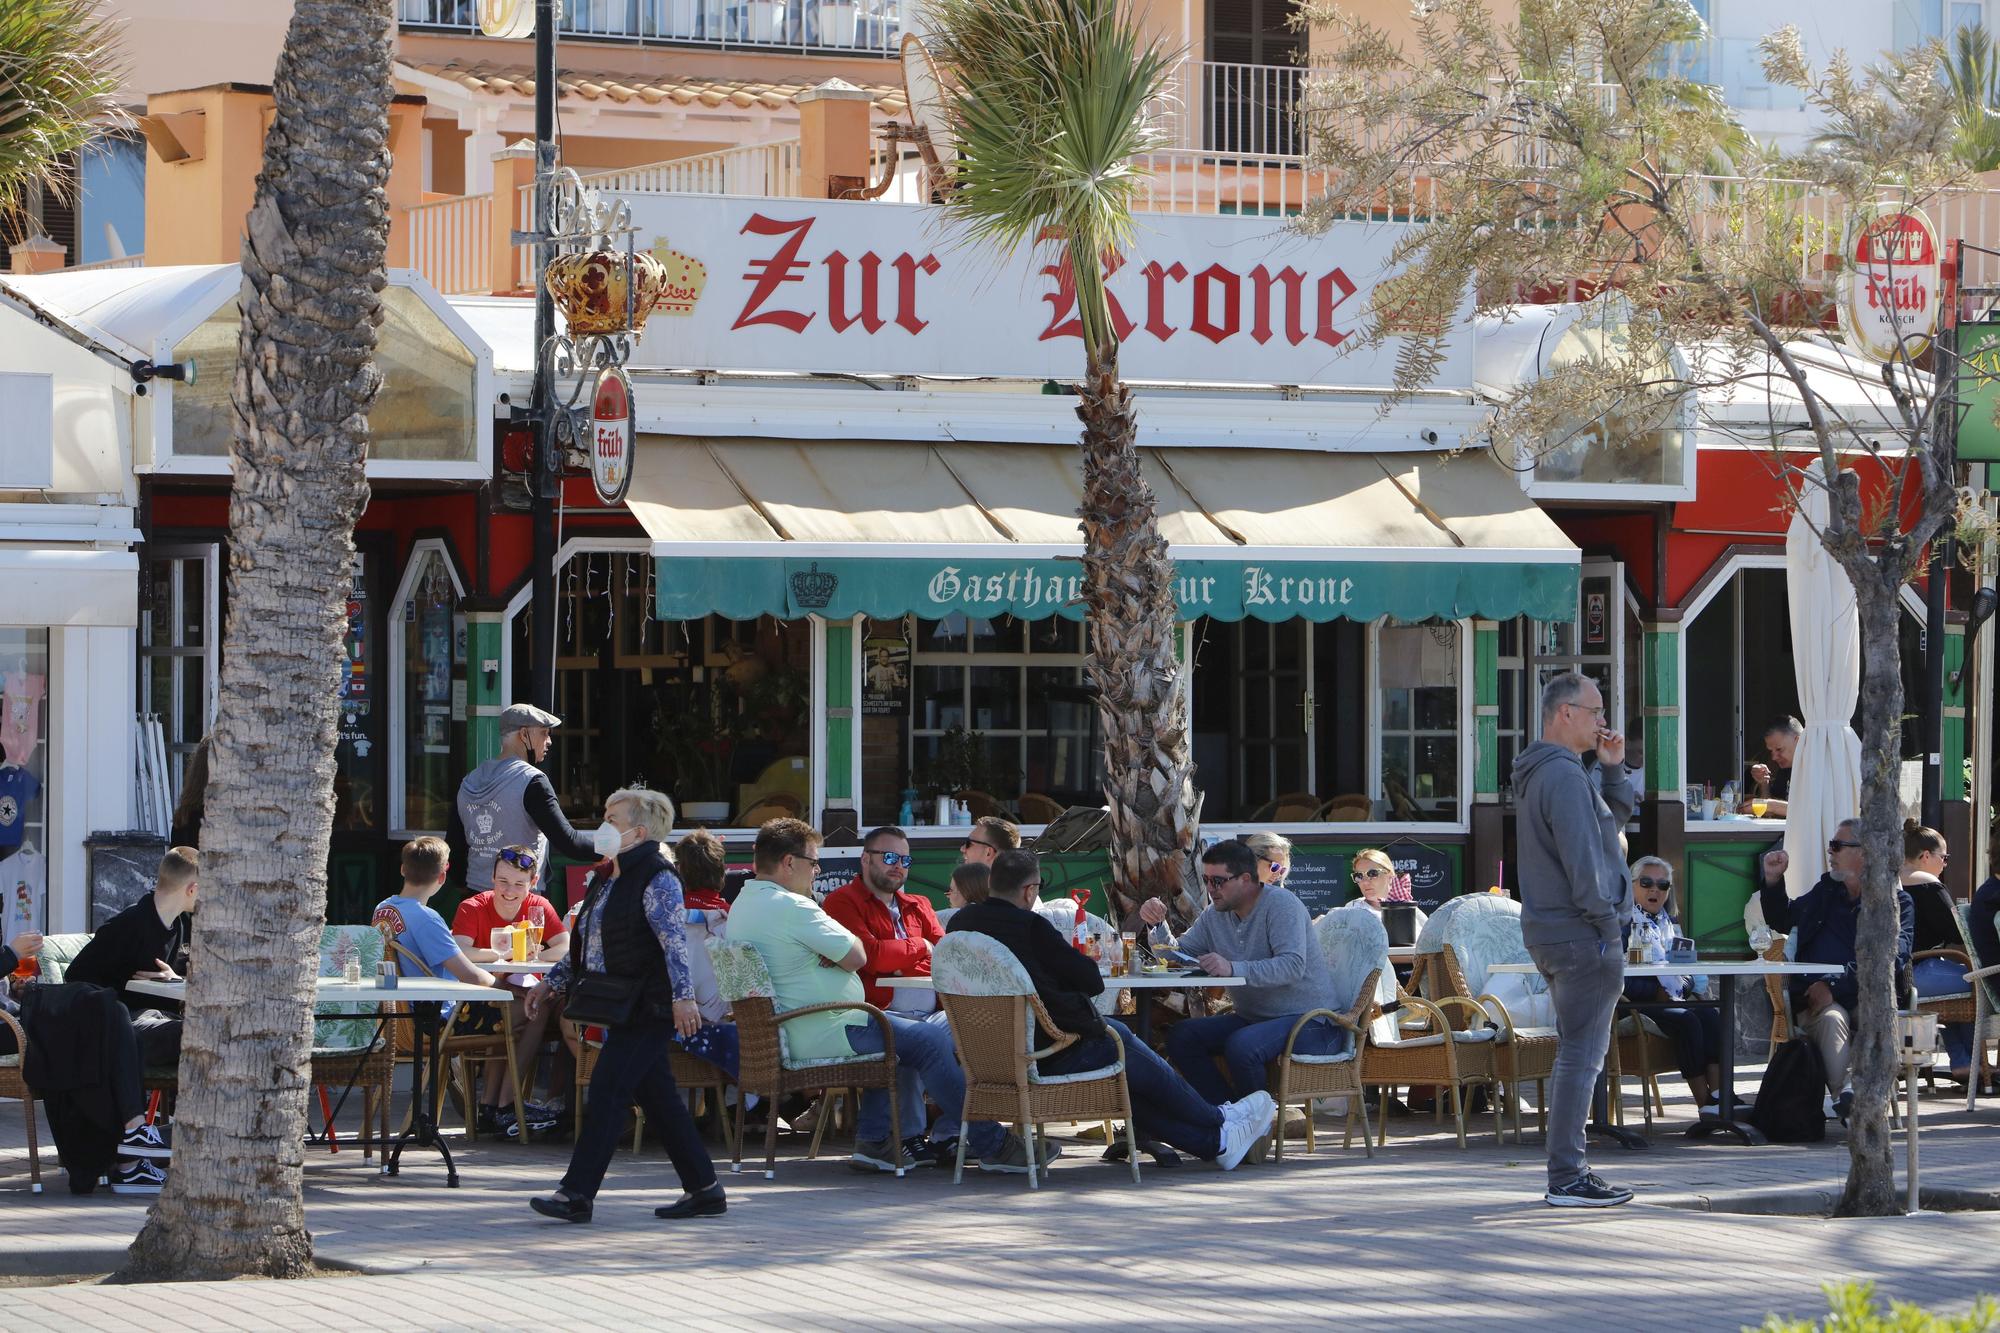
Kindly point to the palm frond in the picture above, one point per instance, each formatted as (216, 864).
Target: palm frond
(1973, 74)
(59, 71)
(1049, 108)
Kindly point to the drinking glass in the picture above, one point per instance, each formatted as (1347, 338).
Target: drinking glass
(502, 941)
(1757, 808)
(27, 969)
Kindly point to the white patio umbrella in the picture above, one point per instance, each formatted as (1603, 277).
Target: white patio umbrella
(1826, 652)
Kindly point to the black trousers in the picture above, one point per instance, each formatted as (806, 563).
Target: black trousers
(1696, 1033)
(635, 1066)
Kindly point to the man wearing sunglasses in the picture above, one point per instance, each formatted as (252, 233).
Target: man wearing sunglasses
(1823, 923)
(1576, 898)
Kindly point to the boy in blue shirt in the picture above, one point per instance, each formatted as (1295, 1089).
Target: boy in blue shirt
(410, 921)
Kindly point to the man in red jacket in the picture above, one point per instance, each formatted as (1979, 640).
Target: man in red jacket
(896, 930)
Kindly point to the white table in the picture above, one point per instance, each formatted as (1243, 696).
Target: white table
(1144, 981)
(1722, 1120)
(1402, 953)
(505, 967)
(423, 1130)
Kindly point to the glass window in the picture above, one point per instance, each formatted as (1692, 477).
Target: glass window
(24, 773)
(994, 712)
(180, 594)
(1635, 441)
(1417, 684)
(433, 689)
(424, 411)
(715, 712)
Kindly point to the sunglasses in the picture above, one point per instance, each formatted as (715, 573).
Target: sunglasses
(1648, 882)
(1835, 844)
(1373, 872)
(975, 842)
(518, 860)
(1278, 868)
(1217, 881)
(894, 859)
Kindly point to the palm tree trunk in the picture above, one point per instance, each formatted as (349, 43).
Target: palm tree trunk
(312, 274)
(1128, 583)
(1871, 1176)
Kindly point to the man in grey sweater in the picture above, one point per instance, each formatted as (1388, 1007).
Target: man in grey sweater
(1264, 934)
(1576, 895)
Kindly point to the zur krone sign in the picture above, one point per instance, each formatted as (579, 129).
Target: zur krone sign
(1889, 286)
(863, 288)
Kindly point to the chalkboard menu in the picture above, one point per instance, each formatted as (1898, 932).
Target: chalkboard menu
(1321, 876)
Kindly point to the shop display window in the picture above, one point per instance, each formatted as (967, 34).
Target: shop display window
(991, 712)
(24, 771)
(715, 712)
(429, 631)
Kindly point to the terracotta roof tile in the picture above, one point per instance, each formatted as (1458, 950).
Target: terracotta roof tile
(598, 86)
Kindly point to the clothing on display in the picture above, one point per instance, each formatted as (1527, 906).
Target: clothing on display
(20, 715)
(18, 790)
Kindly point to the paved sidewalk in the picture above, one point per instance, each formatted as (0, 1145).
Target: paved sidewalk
(1422, 1234)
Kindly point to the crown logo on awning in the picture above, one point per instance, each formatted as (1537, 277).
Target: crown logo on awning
(812, 590)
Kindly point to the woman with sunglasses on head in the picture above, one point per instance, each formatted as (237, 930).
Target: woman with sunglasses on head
(628, 971)
(1924, 859)
(1695, 1030)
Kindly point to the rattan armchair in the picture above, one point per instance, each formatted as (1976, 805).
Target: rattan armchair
(1357, 949)
(1641, 1051)
(993, 1009)
(14, 1083)
(352, 1050)
(769, 1072)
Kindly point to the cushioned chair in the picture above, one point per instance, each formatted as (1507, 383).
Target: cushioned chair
(1351, 808)
(1482, 930)
(58, 952)
(1038, 809)
(1294, 807)
(768, 1068)
(14, 1084)
(350, 1047)
(993, 1009)
(1357, 949)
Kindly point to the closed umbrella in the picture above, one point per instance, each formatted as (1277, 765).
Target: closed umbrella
(1826, 652)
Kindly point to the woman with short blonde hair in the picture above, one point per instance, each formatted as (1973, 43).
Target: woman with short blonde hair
(1274, 856)
(1374, 875)
(650, 810)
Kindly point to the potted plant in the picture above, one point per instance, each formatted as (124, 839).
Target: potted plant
(962, 762)
(696, 732)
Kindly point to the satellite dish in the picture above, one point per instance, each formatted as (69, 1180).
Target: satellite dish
(923, 89)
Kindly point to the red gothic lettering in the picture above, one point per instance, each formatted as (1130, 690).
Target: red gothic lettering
(1326, 333)
(785, 266)
(1156, 296)
(1063, 322)
(1293, 281)
(906, 289)
(837, 316)
(1205, 282)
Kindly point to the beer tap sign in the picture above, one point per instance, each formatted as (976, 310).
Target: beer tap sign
(1888, 286)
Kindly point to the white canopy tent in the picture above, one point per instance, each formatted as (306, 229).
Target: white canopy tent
(1826, 653)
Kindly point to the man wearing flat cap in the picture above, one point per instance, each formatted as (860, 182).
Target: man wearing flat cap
(508, 802)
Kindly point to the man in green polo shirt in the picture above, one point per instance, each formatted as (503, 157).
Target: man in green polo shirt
(813, 959)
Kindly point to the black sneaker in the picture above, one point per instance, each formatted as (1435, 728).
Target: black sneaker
(540, 1121)
(137, 1175)
(147, 1141)
(1587, 1191)
(492, 1120)
(938, 1152)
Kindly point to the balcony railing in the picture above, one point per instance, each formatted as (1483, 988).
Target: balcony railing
(829, 27)
(1231, 108)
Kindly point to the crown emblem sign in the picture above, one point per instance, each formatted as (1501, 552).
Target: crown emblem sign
(812, 590)
(685, 278)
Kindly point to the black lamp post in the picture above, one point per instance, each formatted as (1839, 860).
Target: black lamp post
(1984, 603)
(546, 478)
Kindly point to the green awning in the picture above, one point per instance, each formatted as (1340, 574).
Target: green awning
(743, 528)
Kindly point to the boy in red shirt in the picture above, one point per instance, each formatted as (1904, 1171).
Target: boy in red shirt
(511, 899)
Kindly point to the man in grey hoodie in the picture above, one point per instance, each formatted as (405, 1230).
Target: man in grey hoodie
(1576, 895)
(508, 802)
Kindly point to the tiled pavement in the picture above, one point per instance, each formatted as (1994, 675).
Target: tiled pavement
(1422, 1235)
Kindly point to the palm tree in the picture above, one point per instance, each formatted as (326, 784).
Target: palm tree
(1049, 112)
(313, 257)
(1973, 73)
(59, 69)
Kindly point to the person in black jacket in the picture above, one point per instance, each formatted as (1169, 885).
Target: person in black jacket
(83, 1061)
(633, 925)
(1825, 919)
(1165, 1106)
(148, 940)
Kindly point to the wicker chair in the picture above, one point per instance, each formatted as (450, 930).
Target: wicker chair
(1639, 1050)
(1985, 1008)
(462, 1047)
(346, 1050)
(768, 1071)
(993, 1009)
(1484, 931)
(1774, 987)
(1357, 949)
(14, 1083)
(692, 1074)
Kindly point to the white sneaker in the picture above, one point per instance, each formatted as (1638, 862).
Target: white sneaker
(1242, 1134)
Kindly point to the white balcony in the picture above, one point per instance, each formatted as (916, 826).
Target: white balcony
(829, 27)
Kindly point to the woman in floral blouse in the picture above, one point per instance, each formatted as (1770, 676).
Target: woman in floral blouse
(1695, 1030)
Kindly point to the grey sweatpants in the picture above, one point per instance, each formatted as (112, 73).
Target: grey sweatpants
(1585, 978)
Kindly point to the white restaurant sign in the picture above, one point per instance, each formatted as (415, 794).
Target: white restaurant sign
(872, 288)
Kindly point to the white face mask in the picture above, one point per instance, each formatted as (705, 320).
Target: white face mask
(607, 840)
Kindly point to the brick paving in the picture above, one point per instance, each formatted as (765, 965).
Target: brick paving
(1422, 1234)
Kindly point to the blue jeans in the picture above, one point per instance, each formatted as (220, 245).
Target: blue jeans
(1586, 978)
(1246, 1045)
(926, 1061)
(1164, 1105)
(1941, 976)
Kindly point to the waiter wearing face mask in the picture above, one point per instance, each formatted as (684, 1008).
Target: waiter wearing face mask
(509, 802)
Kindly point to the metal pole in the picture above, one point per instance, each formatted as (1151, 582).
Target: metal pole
(546, 489)
(1910, 1117)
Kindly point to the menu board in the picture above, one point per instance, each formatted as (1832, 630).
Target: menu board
(1321, 876)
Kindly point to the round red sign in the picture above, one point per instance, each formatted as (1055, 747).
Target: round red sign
(611, 435)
